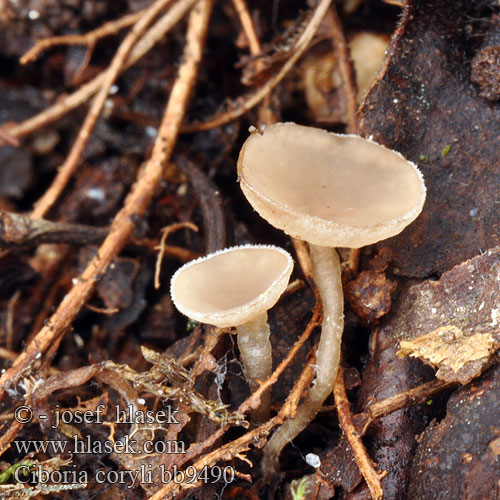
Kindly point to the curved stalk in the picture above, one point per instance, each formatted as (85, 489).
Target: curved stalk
(327, 274)
(256, 354)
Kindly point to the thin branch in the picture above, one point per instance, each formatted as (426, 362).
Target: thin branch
(90, 38)
(302, 252)
(248, 27)
(9, 435)
(414, 396)
(372, 477)
(247, 103)
(346, 69)
(165, 233)
(21, 230)
(9, 327)
(135, 204)
(6, 354)
(266, 115)
(7, 138)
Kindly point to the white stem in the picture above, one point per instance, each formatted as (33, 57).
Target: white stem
(256, 354)
(327, 274)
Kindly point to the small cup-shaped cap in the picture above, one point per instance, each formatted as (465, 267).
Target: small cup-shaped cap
(329, 189)
(232, 286)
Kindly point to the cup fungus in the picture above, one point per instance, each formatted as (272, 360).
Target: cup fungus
(329, 190)
(236, 287)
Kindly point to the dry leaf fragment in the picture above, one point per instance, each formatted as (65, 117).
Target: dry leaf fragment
(457, 356)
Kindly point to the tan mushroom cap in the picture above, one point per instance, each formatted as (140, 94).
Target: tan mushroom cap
(329, 189)
(232, 286)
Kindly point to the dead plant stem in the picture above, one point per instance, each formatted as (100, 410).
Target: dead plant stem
(346, 69)
(88, 39)
(417, 395)
(266, 115)
(372, 477)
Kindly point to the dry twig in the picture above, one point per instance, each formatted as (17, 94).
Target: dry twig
(346, 69)
(165, 232)
(21, 230)
(414, 396)
(88, 39)
(266, 115)
(372, 477)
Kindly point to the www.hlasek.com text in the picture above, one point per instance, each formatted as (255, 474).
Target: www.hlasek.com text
(104, 447)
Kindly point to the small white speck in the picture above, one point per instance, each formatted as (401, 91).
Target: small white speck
(481, 306)
(470, 288)
(313, 460)
(434, 310)
(78, 341)
(33, 14)
(395, 101)
(109, 104)
(370, 138)
(75, 281)
(3, 370)
(141, 401)
(151, 131)
(38, 355)
(113, 89)
(495, 314)
(95, 194)
(473, 212)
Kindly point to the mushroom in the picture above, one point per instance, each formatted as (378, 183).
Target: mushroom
(330, 190)
(236, 287)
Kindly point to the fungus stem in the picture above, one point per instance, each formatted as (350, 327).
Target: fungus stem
(327, 274)
(256, 354)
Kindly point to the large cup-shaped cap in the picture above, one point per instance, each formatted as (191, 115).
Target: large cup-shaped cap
(329, 189)
(232, 286)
